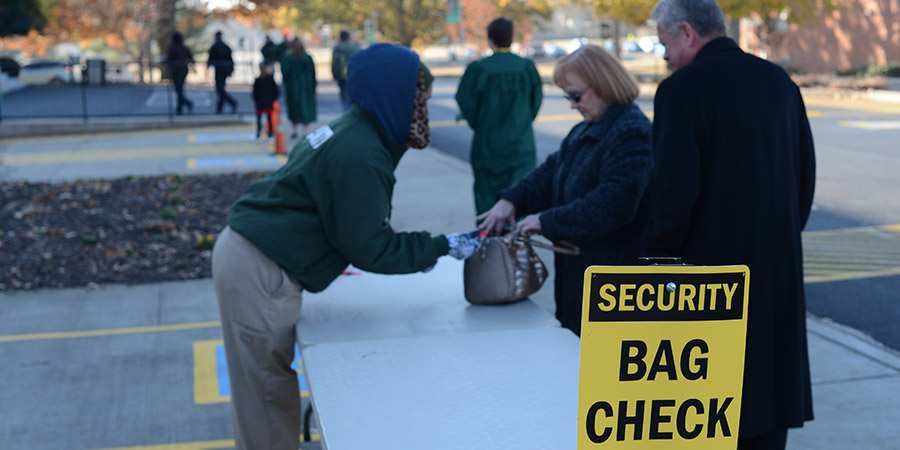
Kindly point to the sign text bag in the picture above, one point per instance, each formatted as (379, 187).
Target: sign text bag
(662, 357)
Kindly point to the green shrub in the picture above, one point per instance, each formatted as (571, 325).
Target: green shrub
(167, 214)
(883, 70)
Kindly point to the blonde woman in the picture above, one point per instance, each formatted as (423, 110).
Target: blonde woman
(590, 192)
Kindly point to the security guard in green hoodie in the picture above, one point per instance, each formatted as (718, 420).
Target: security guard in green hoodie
(301, 226)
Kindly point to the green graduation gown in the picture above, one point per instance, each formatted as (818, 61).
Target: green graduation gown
(499, 97)
(299, 78)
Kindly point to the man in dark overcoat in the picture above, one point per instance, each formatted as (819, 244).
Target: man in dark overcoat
(732, 183)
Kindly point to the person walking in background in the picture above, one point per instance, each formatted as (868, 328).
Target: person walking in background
(340, 58)
(590, 192)
(179, 59)
(269, 52)
(282, 46)
(732, 183)
(298, 229)
(298, 72)
(220, 59)
(499, 97)
(265, 93)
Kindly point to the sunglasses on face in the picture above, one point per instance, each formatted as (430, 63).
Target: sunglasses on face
(576, 97)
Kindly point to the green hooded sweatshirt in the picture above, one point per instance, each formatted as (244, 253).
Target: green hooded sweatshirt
(330, 205)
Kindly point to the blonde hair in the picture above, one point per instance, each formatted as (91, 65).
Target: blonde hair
(604, 74)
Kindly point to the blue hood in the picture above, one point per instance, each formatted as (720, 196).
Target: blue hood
(382, 81)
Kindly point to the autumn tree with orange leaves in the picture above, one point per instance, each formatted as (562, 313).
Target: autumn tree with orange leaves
(407, 22)
(134, 26)
(637, 12)
(477, 14)
(129, 26)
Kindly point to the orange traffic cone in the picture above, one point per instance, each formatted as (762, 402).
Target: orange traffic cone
(276, 125)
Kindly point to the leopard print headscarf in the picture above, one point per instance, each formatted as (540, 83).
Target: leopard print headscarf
(419, 131)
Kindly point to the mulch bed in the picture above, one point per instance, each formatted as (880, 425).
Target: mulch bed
(129, 230)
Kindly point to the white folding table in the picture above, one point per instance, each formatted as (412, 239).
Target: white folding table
(373, 306)
(507, 389)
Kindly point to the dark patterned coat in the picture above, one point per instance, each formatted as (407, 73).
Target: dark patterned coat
(733, 180)
(590, 193)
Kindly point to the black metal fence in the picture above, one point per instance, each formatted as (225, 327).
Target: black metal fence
(116, 89)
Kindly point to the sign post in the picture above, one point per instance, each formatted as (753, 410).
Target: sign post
(662, 357)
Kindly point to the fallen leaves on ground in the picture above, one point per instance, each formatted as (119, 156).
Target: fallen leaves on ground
(128, 230)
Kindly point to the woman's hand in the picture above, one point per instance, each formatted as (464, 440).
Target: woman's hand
(529, 225)
(504, 211)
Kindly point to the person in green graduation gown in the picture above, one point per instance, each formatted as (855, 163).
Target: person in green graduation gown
(499, 97)
(298, 74)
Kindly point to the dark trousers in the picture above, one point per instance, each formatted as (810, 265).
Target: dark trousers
(259, 116)
(221, 95)
(178, 82)
(345, 99)
(773, 440)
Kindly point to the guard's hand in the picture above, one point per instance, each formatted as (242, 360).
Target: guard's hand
(503, 212)
(463, 245)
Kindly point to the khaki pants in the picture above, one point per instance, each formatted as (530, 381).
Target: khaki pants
(259, 305)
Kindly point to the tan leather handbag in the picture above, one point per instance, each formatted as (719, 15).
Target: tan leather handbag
(506, 269)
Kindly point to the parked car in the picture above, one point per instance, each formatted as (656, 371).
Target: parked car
(46, 72)
(631, 47)
(543, 50)
(575, 44)
(10, 67)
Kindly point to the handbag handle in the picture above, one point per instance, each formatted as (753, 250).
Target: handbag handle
(565, 248)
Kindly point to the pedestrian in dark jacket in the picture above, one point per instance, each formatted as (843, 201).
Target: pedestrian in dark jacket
(340, 59)
(220, 58)
(299, 227)
(733, 182)
(179, 59)
(281, 47)
(269, 52)
(589, 193)
(265, 93)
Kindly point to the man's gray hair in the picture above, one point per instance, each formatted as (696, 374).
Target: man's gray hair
(705, 16)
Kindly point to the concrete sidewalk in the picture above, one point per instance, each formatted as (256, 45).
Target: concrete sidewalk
(856, 381)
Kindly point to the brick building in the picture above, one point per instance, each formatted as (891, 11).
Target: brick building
(857, 33)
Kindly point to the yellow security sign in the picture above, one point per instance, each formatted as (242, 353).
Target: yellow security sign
(662, 357)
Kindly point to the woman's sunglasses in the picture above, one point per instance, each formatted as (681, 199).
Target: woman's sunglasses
(576, 97)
